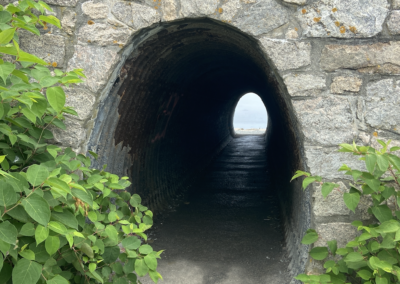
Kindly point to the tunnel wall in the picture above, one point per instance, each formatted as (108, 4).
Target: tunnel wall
(332, 65)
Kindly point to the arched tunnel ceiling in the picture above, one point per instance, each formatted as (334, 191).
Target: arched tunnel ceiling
(172, 106)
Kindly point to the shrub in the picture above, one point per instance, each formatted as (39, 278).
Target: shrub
(61, 222)
(373, 256)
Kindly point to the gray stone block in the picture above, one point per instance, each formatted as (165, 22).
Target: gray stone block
(332, 205)
(104, 34)
(342, 232)
(343, 19)
(287, 54)
(135, 15)
(198, 8)
(304, 84)
(394, 23)
(81, 100)
(95, 10)
(343, 84)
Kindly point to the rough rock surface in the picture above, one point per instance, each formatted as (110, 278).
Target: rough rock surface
(97, 63)
(262, 17)
(382, 104)
(304, 84)
(358, 56)
(343, 84)
(103, 34)
(198, 8)
(324, 162)
(135, 15)
(169, 9)
(386, 68)
(396, 4)
(64, 3)
(229, 10)
(394, 23)
(76, 134)
(49, 47)
(287, 54)
(81, 100)
(95, 10)
(337, 18)
(332, 205)
(342, 232)
(325, 120)
(68, 21)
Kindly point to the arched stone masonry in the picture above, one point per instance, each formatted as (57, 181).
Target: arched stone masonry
(329, 71)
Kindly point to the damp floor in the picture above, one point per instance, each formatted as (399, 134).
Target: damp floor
(228, 230)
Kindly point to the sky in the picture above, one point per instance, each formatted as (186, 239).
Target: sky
(250, 113)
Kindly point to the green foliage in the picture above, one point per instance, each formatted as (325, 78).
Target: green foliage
(60, 221)
(374, 256)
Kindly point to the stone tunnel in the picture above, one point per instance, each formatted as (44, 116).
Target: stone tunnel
(164, 77)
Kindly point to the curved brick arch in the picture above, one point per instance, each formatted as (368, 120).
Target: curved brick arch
(334, 63)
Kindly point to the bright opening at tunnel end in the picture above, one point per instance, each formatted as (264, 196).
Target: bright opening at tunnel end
(250, 115)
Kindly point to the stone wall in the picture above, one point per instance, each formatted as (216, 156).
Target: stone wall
(337, 63)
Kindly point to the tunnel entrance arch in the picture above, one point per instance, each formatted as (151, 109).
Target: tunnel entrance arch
(169, 112)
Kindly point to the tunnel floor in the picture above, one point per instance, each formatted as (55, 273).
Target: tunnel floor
(229, 228)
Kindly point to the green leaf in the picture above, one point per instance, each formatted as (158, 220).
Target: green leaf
(26, 272)
(52, 244)
(370, 161)
(145, 249)
(5, 17)
(28, 254)
(84, 196)
(381, 280)
(57, 227)
(56, 98)
(155, 276)
(135, 200)
(65, 217)
(332, 246)
(48, 81)
(27, 229)
(112, 234)
(353, 257)
(141, 268)
(364, 274)
(351, 200)
(26, 57)
(307, 181)
(86, 249)
(327, 188)
(382, 213)
(58, 185)
(151, 261)
(111, 254)
(51, 20)
(319, 253)
(41, 234)
(8, 195)
(37, 174)
(383, 162)
(5, 70)
(58, 280)
(6, 36)
(37, 208)
(8, 233)
(131, 243)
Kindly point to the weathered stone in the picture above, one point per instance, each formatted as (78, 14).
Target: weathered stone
(95, 10)
(262, 17)
(325, 162)
(386, 68)
(98, 63)
(287, 54)
(64, 3)
(81, 100)
(291, 34)
(103, 34)
(396, 4)
(298, 2)
(135, 15)
(249, 1)
(358, 56)
(198, 8)
(332, 205)
(49, 47)
(384, 136)
(342, 232)
(382, 104)
(304, 84)
(73, 136)
(343, 84)
(229, 10)
(169, 10)
(68, 21)
(362, 208)
(325, 120)
(350, 18)
(394, 23)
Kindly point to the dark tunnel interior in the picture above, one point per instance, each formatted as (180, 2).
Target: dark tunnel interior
(175, 99)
